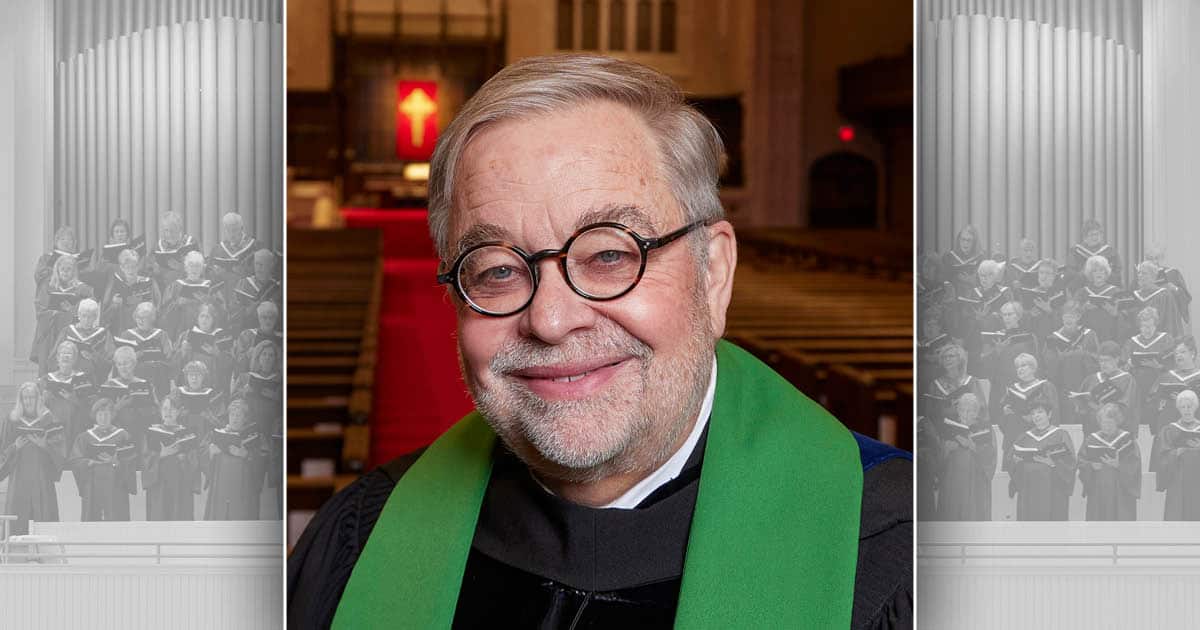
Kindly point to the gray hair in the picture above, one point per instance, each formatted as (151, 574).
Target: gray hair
(1097, 262)
(233, 218)
(127, 255)
(989, 267)
(171, 218)
(689, 147)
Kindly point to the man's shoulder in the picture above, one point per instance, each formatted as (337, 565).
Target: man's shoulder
(883, 585)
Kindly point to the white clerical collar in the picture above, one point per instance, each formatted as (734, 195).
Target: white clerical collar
(674, 465)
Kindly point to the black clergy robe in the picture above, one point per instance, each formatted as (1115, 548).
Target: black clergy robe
(537, 561)
(1176, 464)
(1111, 492)
(1042, 491)
(1149, 358)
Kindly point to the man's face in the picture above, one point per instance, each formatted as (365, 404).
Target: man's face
(582, 389)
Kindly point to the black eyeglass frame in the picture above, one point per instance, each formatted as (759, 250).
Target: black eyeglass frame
(645, 245)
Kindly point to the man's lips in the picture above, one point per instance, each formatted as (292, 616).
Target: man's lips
(566, 381)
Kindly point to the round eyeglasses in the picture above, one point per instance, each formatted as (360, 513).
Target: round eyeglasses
(601, 261)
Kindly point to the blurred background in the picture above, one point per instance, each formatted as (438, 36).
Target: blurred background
(814, 102)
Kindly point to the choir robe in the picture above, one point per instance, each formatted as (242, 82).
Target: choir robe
(1001, 348)
(105, 486)
(978, 310)
(153, 347)
(53, 315)
(234, 483)
(965, 475)
(1124, 394)
(1042, 491)
(1145, 376)
(119, 316)
(961, 270)
(133, 412)
(165, 262)
(1021, 274)
(1176, 465)
(171, 481)
(1172, 278)
(247, 340)
(94, 350)
(43, 269)
(217, 356)
(509, 554)
(182, 300)
(229, 263)
(31, 470)
(264, 394)
(70, 399)
(249, 293)
(1068, 358)
(1164, 392)
(929, 362)
(1077, 261)
(1038, 319)
(1019, 396)
(1112, 493)
(941, 399)
(1108, 327)
(201, 408)
(934, 294)
(929, 457)
(1163, 300)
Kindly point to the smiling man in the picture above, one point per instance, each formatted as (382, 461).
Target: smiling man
(625, 467)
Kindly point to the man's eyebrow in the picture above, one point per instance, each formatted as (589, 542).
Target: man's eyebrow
(481, 233)
(626, 214)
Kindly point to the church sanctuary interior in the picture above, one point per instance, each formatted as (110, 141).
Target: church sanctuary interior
(813, 100)
(1056, 244)
(141, 229)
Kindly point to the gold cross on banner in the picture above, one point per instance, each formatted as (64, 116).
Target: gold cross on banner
(417, 106)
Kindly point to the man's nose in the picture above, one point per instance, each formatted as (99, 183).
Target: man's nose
(556, 310)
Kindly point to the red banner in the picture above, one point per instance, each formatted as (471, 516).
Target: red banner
(416, 120)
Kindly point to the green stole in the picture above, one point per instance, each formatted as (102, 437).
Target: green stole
(773, 542)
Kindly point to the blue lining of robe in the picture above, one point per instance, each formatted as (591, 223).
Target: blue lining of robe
(873, 452)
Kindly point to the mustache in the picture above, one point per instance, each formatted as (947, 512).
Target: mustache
(521, 354)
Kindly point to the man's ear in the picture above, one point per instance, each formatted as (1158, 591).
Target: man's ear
(722, 261)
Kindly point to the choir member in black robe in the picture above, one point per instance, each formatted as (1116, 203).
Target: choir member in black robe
(979, 311)
(126, 290)
(960, 264)
(235, 466)
(929, 349)
(93, 341)
(1093, 244)
(1172, 278)
(1022, 270)
(1099, 298)
(65, 244)
(69, 392)
(1070, 355)
(103, 460)
(151, 345)
(165, 262)
(200, 405)
(1150, 353)
(967, 464)
(1150, 294)
(932, 291)
(56, 305)
(32, 455)
(261, 387)
(135, 404)
(1184, 376)
(183, 297)
(1176, 462)
(941, 399)
(1110, 468)
(253, 290)
(1110, 384)
(231, 259)
(1042, 464)
(1043, 301)
(247, 340)
(211, 345)
(171, 467)
(928, 462)
(1022, 396)
(1002, 346)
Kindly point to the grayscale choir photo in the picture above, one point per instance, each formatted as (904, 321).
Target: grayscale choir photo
(1058, 446)
(141, 348)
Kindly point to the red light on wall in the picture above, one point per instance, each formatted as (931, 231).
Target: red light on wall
(846, 133)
